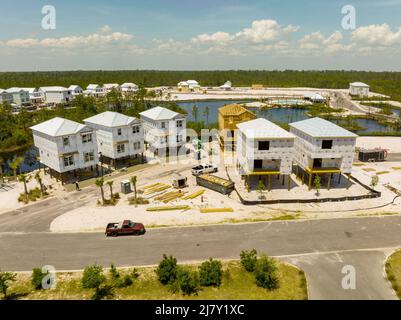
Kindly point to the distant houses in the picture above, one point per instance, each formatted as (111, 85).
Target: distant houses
(94, 90)
(108, 87)
(19, 96)
(118, 136)
(227, 86)
(65, 146)
(359, 89)
(129, 87)
(56, 95)
(5, 97)
(164, 130)
(188, 86)
(75, 90)
(35, 96)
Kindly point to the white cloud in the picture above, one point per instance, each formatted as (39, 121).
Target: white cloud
(377, 35)
(105, 37)
(215, 37)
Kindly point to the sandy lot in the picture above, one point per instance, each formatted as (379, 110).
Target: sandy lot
(393, 144)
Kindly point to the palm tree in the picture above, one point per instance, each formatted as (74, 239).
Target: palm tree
(100, 184)
(206, 114)
(195, 113)
(39, 180)
(110, 184)
(22, 178)
(15, 164)
(134, 181)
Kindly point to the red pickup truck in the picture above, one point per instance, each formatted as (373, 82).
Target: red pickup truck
(127, 227)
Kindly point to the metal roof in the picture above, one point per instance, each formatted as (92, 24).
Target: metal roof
(59, 127)
(53, 89)
(263, 129)
(110, 119)
(320, 128)
(359, 84)
(159, 113)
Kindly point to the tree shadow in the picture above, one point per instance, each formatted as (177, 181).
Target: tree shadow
(16, 295)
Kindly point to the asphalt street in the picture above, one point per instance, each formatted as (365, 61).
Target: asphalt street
(320, 247)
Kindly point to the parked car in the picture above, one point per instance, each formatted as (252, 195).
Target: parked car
(204, 168)
(127, 227)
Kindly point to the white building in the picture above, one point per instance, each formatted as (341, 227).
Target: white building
(359, 89)
(75, 90)
(5, 97)
(193, 85)
(226, 86)
(94, 90)
(323, 147)
(118, 136)
(55, 95)
(19, 96)
(107, 87)
(129, 87)
(164, 130)
(188, 86)
(35, 96)
(65, 145)
(264, 149)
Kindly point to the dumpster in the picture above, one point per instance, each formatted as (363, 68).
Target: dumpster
(218, 184)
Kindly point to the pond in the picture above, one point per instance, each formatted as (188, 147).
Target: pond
(283, 115)
(27, 165)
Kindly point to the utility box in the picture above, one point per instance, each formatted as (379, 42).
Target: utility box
(125, 187)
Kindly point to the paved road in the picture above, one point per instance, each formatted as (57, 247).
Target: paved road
(338, 239)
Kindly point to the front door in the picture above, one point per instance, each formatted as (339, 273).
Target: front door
(317, 163)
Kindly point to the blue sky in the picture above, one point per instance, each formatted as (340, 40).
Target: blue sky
(223, 34)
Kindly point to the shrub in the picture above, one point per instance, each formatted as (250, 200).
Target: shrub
(188, 281)
(114, 272)
(37, 278)
(210, 273)
(266, 273)
(248, 259)
(104, 291)
(93, 277)
(5, 279)
(167, 270)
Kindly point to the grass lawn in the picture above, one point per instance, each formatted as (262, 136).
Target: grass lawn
(236, 284)
(393, 270)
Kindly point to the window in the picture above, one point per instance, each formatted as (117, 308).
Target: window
(327, 144)
(137, 145)
(119, 132)
(120, 148)
(68, 161)
(89, 156)
(163, 125)
(66, 141)
(179, 138)
(86, 138)
(264, 145)
(179, 124)
(257, 164)
(135, 129)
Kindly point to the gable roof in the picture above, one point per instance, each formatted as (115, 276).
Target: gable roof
(53, 89)
(15, 90)
(74, 86)
(160, 113)
(59, 127)
(92, 86)
(359, 84)
(129, 85)
(321, 128)
(263, 129)
(110, 85)
(110, 119)
(233, 110)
